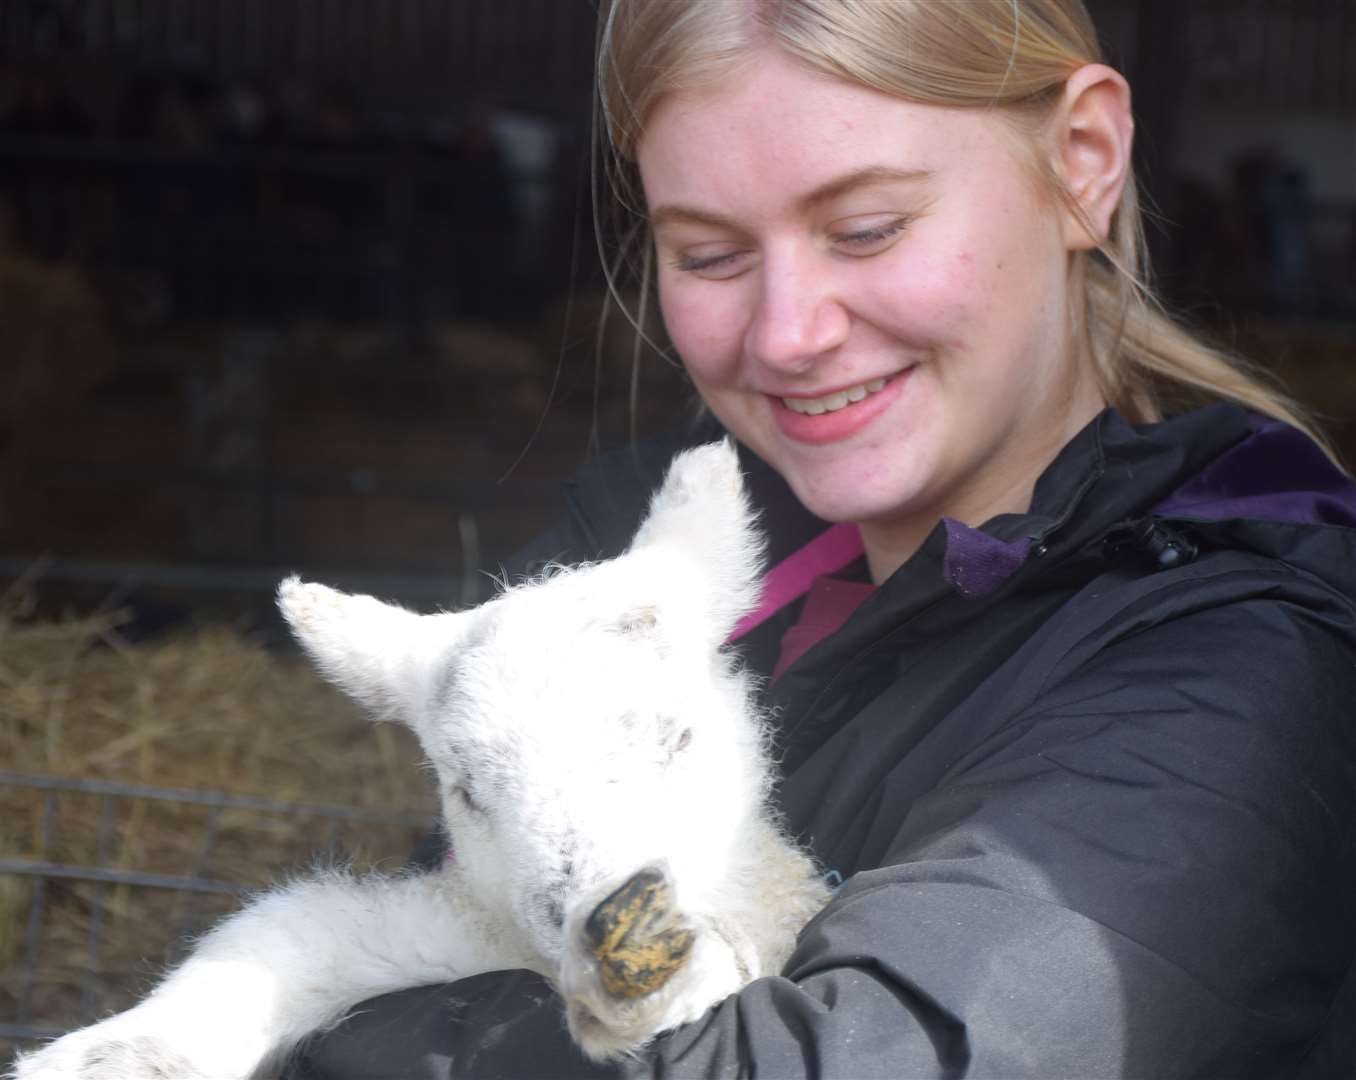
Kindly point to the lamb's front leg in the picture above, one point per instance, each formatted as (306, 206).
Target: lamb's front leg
(291, 962)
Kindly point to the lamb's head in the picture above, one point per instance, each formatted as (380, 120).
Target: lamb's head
(591, 739)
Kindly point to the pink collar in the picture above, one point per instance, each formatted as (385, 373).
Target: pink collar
(791, 578)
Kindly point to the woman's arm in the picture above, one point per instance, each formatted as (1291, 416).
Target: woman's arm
(1149, 872)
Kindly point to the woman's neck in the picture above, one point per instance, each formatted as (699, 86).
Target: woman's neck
(1004, 487)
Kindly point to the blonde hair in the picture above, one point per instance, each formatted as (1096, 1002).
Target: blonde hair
(1013, 56)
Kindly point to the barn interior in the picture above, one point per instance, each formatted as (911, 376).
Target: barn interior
(312, 285)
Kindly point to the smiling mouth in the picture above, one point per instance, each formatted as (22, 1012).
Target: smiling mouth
(839, 399)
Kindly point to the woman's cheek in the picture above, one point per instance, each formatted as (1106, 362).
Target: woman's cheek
(703, 324)
(931, 302)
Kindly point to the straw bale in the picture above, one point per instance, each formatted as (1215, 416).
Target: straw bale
(207, 709)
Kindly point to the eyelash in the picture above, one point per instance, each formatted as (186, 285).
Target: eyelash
(865, 236)
(873, 235)
(691, 266)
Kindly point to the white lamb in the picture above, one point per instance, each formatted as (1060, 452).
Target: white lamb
(604, 783)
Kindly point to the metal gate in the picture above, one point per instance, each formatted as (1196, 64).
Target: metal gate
(54, 979)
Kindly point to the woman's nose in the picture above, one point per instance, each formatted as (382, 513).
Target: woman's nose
(797, 319)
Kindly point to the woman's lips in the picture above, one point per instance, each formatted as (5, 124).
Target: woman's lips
(827, 427)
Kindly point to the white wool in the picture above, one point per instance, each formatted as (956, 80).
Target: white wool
(582, 727)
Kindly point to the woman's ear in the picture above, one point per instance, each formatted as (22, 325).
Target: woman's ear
(1094, 132)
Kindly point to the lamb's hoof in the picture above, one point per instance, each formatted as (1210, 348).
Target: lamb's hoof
(635, 936)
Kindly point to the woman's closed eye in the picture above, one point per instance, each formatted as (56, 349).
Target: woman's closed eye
(871, 239)
(717, 265)
(868, 239)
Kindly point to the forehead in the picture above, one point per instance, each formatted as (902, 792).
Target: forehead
(779, 130)
(559, 632)
(541, 682)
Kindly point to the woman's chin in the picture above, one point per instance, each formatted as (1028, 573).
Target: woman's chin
(841, 503)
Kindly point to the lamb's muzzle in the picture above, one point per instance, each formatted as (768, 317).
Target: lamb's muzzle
(635, 936)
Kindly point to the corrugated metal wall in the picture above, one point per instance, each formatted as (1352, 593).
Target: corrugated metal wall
(400, 53)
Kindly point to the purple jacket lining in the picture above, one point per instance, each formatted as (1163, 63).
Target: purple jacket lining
(1275, 474)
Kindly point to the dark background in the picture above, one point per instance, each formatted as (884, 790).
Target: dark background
(311, 284)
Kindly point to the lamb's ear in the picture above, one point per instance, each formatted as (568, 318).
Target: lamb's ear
(380, 655)
(703, 512)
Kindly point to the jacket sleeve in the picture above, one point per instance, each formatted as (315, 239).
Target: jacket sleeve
(1149, 871)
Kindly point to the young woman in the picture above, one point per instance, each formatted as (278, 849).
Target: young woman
(1063, 667)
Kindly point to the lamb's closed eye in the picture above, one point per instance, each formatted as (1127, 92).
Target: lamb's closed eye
(460, 785)
(678, 745)
(674, 737)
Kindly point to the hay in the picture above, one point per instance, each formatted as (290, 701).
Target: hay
(208, 710)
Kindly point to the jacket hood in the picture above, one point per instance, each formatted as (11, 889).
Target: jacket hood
(1276, 473)
(1216, 476)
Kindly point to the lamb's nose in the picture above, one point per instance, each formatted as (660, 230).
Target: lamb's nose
(637, 936)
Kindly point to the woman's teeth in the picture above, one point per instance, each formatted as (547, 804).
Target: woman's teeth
(832, 402)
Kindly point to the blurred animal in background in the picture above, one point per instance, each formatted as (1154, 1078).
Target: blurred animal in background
(604, 781)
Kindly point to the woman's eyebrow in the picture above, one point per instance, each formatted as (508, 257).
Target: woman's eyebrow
(858, 178)
(677, 213)
(673, 213)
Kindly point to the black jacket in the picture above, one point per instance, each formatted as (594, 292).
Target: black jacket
(1096, 814)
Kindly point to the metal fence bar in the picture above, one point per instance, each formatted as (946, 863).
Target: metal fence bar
(331, 842)
(209, 838)
(99, 911)
(47, 870)
(180, 923)
(424, 588)
(471, 494)
(24, 1031)
(102, 879)
(207, 798)
(36, 912)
